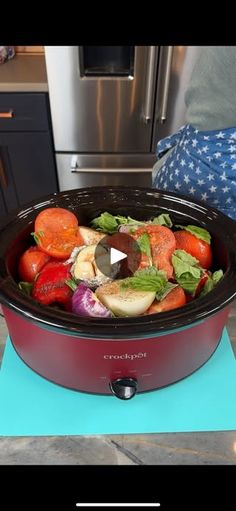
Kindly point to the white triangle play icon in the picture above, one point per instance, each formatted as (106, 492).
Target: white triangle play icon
(116, 256)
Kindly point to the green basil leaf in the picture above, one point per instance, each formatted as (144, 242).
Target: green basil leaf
(37, 235)
(199, 232)
(211, 282)
(121, 219)
(150, 284)
(217, 276)
(109, 224)
(182, 262)
(208, 286)
(150, 271)
(131, 220)
(144, 244)
(163, 219)
(71, 284)
(105, 222)
(148, 279)
(187, 270)
(188, 282)
(26, 287)
(167, 289)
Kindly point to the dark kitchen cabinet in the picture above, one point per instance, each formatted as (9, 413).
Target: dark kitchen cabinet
(2, 206)
(27, 163)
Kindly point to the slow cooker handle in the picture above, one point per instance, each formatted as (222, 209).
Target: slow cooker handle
(124, 388)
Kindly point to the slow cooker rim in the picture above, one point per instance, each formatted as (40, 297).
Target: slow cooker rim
(208, 305)
(50, 198)
(212, 303)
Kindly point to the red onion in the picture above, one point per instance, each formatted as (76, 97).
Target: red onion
(85, 303)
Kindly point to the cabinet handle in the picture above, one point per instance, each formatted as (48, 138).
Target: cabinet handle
(3, 175)
(6, 115)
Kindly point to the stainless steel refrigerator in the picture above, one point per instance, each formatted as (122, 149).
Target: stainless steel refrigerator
(110, 105)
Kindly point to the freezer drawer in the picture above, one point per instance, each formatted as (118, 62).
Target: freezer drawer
(79, 171)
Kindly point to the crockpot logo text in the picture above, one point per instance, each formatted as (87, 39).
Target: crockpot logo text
(126, 356)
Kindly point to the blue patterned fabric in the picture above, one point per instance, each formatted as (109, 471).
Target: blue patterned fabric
(201, 165)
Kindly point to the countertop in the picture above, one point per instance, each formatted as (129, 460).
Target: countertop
(24, 73)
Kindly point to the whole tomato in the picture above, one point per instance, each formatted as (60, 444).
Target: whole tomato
(195, 247)
(31, 263)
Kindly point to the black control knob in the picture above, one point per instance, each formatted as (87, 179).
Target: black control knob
(124, 388)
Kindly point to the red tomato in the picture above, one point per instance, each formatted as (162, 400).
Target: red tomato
(173, 300)
(57, 232)
(199, 288)
(58, 245)
(195, 247)
(201, 284)
(162, 243)
(56, 220)
(31, 263)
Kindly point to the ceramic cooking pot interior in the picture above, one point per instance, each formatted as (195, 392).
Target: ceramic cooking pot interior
(139, 203)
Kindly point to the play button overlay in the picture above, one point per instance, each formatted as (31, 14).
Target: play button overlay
(118, 255)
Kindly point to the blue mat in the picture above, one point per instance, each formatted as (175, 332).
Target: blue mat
(204, 401)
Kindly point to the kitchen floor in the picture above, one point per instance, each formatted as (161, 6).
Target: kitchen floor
(214, 448)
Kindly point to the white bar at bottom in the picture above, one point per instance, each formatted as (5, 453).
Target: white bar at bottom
(118, 504)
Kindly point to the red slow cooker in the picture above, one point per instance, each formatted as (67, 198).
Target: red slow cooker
(118, 355)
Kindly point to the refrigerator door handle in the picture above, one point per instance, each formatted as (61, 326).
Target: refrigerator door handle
(151, 68)
(102, 172)
(166, 83)
(74, 167)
